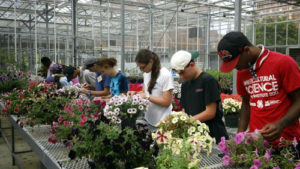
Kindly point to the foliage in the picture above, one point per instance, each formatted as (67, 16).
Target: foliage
(11, 77)
(224, 79)
(123, 107)
(251, 150)
(181, 138)
(110, 147)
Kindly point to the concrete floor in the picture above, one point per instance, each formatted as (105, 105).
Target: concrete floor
(28, 160)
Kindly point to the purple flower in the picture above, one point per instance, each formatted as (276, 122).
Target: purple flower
(295, 142)
(239, 137)
(254, 167)
(256, 151)
(226, 159)
(266, 143)
(267, 155)
(222, 146)
(257, 163)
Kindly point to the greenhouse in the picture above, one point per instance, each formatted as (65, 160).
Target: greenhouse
(149, 84)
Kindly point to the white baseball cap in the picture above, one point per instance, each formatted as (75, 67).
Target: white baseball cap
(180, 60)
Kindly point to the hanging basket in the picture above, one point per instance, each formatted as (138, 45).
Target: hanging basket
(232, 120)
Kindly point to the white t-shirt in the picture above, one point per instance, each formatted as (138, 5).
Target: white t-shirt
(164, 83)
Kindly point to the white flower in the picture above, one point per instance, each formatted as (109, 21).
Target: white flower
(233, 109)
(141, 107)
(183, 118)
(191, 130)
(175, 120)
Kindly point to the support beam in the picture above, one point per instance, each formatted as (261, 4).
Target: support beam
(122, 35)
(74, 31)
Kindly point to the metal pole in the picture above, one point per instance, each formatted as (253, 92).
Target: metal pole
(265, 28)
(74, 28)
(15, 30)
(165, 27)
(137, 33)
(35, 38)
(47, 30)
(150, 26)
(122, 36)
(176, 31)
(187, 33)
(54, 19)
(108, 28)
(237, 27)
(93, 34)
(207, 39)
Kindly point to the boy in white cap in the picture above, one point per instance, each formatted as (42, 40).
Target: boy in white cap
(200, 94)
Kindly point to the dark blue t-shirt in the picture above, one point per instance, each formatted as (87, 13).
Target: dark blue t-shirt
(119, 84)
(102, 81)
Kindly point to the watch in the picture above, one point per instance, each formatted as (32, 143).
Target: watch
(147, 96)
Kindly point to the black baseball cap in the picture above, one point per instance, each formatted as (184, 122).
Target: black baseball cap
(230, 48)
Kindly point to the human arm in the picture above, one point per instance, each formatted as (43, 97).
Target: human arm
(272, 131)
(164, 101)
(104, 92)
(244, 114)
(208, 114)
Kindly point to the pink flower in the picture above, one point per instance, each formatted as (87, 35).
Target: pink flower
(267, 155)
(81, 123)
(254, 167)
(257, 163)
(54, 125)
(66, 123)
(16, 110)
(71, 124)
(51, 139)
(222, 146)
(276, 167)
(239, 137)
(60, 119)
(69, 144)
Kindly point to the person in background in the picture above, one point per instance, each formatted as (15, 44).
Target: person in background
(102, 82)
(200, 94)
(85, 76)
(119, 82)
(269, 83)
(158, 87)
(69, 74)
(45, 69)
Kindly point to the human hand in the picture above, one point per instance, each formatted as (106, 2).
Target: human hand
(271, 131)
(143, 95)
(131, 93)
(98, 98)
(85, 85)
(84, 90)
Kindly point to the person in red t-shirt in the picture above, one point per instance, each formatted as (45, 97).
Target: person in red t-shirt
(269, 83)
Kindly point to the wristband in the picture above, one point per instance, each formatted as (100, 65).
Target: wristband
(89, 92)
(147, 96)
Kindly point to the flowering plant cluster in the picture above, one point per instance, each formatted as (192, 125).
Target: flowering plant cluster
(108, 146)
(176, 97)
(182, 138)
(124, 107)
(251, 150)
(72, 119)
(11, 77)
(231, 106)
(39, 104)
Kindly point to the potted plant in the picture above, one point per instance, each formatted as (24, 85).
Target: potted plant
(182, 141)
(250, 150)
(231, 109)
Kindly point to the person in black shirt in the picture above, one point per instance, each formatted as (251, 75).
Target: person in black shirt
(200, 94)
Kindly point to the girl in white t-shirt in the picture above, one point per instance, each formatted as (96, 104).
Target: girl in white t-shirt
(158, 86)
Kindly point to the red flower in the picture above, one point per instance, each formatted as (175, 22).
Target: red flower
(16, 110)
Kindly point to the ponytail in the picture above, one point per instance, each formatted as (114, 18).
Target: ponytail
(144, 56)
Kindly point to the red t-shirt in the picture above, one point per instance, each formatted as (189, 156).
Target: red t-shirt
(277, 75)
